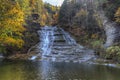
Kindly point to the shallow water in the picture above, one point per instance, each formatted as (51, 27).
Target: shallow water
(44, 70)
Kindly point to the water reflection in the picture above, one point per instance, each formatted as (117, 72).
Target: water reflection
(29, 70)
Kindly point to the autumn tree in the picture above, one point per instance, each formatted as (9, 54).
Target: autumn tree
(64, 14)
(52, 13)
(79, 13)
(117, 15)
(110, 8)
(11, 28)
(18, 17)
(25, 7)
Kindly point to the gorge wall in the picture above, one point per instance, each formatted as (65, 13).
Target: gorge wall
(91, 19)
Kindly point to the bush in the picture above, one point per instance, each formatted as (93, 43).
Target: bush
(97, 44)
(2, 49)
(113, 52)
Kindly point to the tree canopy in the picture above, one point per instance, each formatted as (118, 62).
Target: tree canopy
(14, 16)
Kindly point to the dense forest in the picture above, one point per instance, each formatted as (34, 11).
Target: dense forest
(84, 14)
(19, 22)
(84, 19)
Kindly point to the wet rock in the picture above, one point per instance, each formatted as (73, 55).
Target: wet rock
(1, 56)
(57, 45)
(112, 30)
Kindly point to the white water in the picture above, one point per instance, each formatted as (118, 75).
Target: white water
(68, 38)
(57, 45)
(46, 38)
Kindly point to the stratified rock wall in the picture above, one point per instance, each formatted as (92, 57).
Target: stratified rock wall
(112, 30)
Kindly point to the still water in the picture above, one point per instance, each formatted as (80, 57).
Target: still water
(43, 70)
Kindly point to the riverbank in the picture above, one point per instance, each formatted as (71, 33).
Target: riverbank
(91, 48)
(57, 45)
(19, 56)
(30, 38)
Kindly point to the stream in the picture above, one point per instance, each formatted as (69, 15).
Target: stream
(59, 58)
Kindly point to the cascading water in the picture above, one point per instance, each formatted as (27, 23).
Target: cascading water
(46, 38)
(57, 45)
(68, 38)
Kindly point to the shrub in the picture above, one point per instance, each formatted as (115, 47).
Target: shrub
(113, 52)
(97, 44)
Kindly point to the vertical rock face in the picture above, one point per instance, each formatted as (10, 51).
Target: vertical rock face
(112, 31)
(94, 11)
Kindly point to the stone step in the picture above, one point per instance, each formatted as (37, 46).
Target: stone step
(62, 47)
(61, 44)
(58, 34)
(59, 41)
(59, 38)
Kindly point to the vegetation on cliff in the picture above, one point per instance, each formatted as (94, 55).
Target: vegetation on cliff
(82, 19)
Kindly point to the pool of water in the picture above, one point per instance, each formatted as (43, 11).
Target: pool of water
(44, 70)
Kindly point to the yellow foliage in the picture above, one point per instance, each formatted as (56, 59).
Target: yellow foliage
(94, 36)
(32, 3)
(42, 23)
(98, 19)
(82, 13)
(113, 51)
(9, 40)
(13, 42)
(11, 23)
(19, 43)
(117, 15)
(44, 17)
(14, 25)
(16, 14)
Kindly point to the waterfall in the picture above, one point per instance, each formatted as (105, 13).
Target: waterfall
(58, 45)
(46, 37)
(68, 38)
